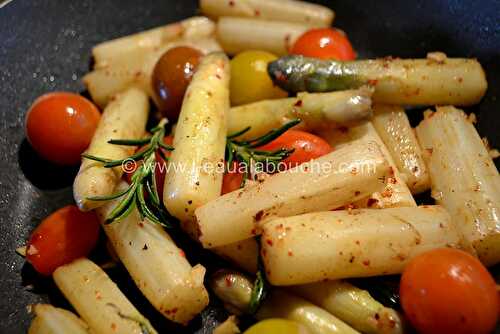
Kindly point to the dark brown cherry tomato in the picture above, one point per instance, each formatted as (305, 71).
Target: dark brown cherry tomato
(324, 43)
(449, 291)
(171, 76)
(306, 147)
(60, 126)
(62, 237)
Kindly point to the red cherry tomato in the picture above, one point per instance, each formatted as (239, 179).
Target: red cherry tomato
(62, 237)
(60, 126)
(232, 179)
(306, 147)
(160, 168)
(324, 43)
(449, 291)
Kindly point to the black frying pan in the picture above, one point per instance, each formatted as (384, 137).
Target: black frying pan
(45, 46)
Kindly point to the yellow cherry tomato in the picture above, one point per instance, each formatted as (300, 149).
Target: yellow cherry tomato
(277, 326)
(249, 79)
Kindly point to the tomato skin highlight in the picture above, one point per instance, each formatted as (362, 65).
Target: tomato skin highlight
(60, 126)
(306, 147)
(324, 43)
(449, 291)
(63, 236)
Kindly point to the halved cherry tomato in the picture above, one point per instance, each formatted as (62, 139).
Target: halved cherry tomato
(171, 76)
(306, 147)
(449, 291)
(62, 237)
(324, 43)
(60, 126)
(232, 179)
(160, 168)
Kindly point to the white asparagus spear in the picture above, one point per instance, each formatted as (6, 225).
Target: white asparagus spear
(279, 10)
(235, 290)
(52, 320)
(353, 305)
(394, 129)
(158, 267)
(352, 243)
(124, 118)
(106, 53)
(316, 111)
(464, 178)
(242, 253)
(237, 34)
(195, 176)
(98, 300)
(331, 181)
(396, 192)
(136, 70)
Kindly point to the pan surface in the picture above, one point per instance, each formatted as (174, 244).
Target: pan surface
(45, 46)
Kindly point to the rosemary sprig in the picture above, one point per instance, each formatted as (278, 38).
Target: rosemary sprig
(143, 179)
(246, 151)
(260, 285)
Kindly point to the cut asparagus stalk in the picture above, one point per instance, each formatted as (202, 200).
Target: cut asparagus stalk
(243, 254)
(395, 130)
(396, 192)
(200, 141)
(157, 266)
(316, 111)
(106, 53)
(98, 300)
(124, 118)
(352, 305)
(237, 34)
(279, 10)
(428, 81)
(329, 182)
(235, 290)
(352, 243)
(464, 178)
(52, 320)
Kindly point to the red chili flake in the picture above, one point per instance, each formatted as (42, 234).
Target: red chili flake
(231, 3)
(373, 82)
(290, 253)
(141, 224)
(269, 242)
(392, 180)
(298, 103)
(113, 326)
(257, 12)
(357, 193)
(258, 215)
(366, 262)
(391, 171)
(377, 316)
(253, 231)
(181, 253)
(386, 193)
(98, 295)
(371, 202)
